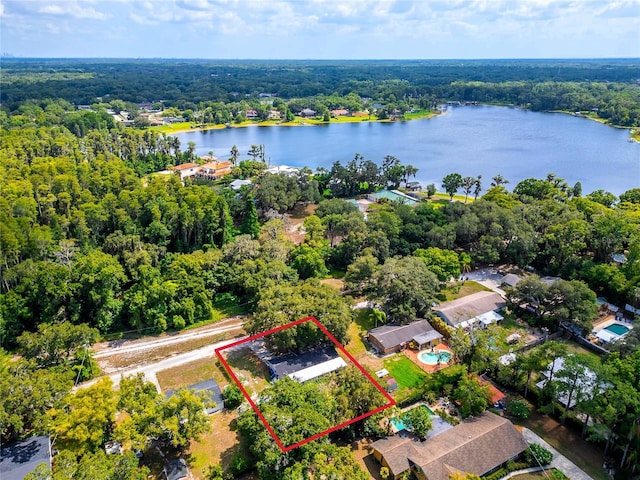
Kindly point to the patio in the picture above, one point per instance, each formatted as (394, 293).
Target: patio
(413, 356)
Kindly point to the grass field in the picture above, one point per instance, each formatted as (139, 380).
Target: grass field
(190, 373)
(406, 373)
(357, 329)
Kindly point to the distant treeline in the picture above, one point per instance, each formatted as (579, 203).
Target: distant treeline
(608, 87)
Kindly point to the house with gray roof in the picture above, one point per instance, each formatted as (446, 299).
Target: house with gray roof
(510, 280)
(212, 391)
(477, 308)
(478, 445)
(300, 366)
(19, 459)
(393, 338)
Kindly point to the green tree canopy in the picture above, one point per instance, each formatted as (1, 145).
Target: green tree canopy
(282, 304)
(405, 288)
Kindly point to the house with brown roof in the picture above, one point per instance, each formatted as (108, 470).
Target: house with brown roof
(214, 170)
(477, 308)
(185, 170)
(393, 338)
(477, 445)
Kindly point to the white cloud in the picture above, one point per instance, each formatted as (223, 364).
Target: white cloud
(71, 9)
(295, 26)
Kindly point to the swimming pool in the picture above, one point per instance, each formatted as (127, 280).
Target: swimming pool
(399, 424)
(395, 196)
(617, 328)
(434, 357)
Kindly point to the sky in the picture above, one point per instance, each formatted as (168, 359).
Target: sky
(321, 29)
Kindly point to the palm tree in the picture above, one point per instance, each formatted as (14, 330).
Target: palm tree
(467, 184)
(477, 187)
(234, 154)
(498, 180)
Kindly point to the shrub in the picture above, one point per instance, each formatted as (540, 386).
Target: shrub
(232, 397)
(440, 326)
(519, 409)
(450, 419)
(537, 455)
(239, 465)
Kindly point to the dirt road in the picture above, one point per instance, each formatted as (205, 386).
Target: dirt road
(150, 355)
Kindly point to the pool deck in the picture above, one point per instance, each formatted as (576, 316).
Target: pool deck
(610, 320)
(413, 356)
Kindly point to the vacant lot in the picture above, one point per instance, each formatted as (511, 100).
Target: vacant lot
(190, 373)
(250, 370)
(219, 446)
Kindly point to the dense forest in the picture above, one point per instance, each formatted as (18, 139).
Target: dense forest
(608, 87)
(93, 243)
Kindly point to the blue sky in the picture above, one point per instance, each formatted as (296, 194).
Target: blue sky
(321, 29)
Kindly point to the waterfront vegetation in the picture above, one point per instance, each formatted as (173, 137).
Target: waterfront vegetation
(92, 245)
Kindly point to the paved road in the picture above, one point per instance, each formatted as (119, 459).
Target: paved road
(560, 462)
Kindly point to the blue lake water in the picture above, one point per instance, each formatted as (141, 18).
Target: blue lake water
(473, 141)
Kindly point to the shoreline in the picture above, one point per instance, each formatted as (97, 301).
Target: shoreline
(634, 132)
(299, 122)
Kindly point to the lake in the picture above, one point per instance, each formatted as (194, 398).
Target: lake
(481, 140)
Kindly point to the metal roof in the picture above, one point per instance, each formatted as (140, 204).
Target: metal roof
(213, 391)
(19, 459)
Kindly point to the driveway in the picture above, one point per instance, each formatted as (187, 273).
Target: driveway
(489, 277)
(562, 463)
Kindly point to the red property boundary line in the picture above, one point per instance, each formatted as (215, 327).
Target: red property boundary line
(338, 346)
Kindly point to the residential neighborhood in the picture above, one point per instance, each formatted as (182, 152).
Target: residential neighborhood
(381, 240)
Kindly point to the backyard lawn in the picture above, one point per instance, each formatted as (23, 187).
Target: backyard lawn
(406, 373)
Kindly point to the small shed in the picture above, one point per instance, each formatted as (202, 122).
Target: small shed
(177, 470)
(392, 385)
(211, 388)
(510, 280)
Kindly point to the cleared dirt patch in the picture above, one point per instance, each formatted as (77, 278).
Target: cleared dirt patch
(250, 370)
(295, 219)
(336, 283)
(367, 461)
(190, 373)
(124, 361)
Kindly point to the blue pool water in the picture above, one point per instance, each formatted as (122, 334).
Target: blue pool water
(617, 329)
(431, 358)
(399, 424)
